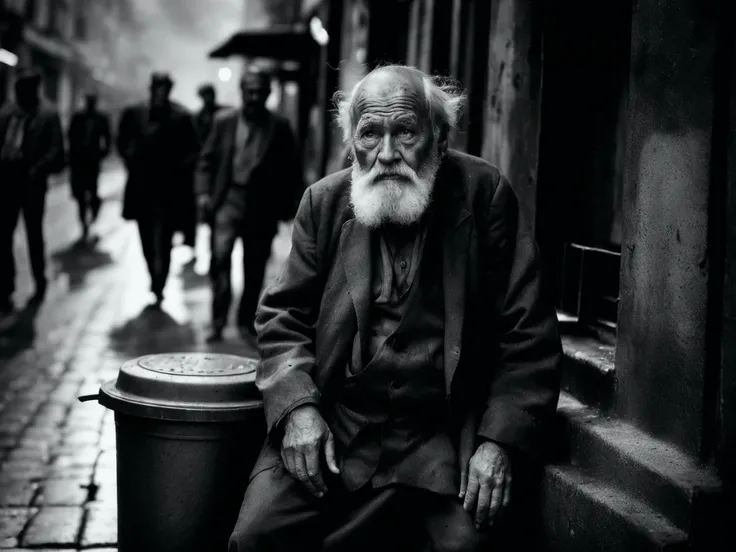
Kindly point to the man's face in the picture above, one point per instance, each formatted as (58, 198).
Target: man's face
(396, 155)
(255, 90)
(159, 95)
(91, 102)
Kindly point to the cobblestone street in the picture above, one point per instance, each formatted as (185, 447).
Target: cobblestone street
(57, 455)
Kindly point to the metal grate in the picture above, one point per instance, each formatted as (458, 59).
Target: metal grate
(589, 287)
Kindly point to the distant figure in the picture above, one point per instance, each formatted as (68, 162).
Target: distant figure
(249, 177)
(31, 149)
(205, 116)
(158, 144)
(89, 143)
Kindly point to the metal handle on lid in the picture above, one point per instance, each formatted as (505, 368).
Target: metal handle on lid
(85, 398)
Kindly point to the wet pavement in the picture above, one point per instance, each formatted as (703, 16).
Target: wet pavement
(57, 455)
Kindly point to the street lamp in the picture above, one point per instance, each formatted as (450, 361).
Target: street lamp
(224, 74)
(318, 32)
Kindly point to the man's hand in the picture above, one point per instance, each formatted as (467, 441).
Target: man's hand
(304, 435)
(486, 483)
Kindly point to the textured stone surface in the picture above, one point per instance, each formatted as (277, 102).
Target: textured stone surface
(54, 526)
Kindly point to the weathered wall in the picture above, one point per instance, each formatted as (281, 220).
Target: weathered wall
(512, 111)
(727, 394)
(662, 329)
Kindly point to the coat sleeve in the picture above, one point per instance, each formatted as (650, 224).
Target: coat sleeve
(525, 384)
(125, 141)
(208, 160)
(106, 135)
(54, 159)
(285, 325)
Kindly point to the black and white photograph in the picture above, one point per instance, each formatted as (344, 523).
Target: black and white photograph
(368, 275)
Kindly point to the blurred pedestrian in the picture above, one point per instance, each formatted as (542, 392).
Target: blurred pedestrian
(206, 115)
(203, 123)
(158, 143)
(31, 149)
(89, 143)
(249, 177)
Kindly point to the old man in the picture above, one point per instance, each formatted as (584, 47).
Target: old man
(408, 356)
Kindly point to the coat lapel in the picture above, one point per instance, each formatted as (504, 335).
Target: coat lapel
(355, 252)
(455, 250)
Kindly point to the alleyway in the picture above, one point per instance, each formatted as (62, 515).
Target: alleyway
(57, 456)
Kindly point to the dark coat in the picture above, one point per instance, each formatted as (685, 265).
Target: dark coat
(501, 350)
(78, 151)
(160, 170)
(277, 180)
(203, 121)
(44, 142)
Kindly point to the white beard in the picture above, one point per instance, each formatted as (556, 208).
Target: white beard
(400, 201)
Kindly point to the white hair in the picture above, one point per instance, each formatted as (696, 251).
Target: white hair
(443, 98)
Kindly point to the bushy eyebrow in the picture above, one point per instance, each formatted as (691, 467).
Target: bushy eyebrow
(369, 120)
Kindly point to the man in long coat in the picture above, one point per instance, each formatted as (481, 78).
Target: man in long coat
(31, 149)
(159, 146)
(409, 361)
(90, 142)
(249, 178)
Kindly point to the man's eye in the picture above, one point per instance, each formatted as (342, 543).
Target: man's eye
(369, 135)
(406, 133)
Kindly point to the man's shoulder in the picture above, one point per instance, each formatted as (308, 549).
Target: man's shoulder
(474, 167)
(225, 114)
(332, 191)
(332, 184)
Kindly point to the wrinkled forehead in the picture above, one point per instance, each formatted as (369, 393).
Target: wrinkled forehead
(390, 94)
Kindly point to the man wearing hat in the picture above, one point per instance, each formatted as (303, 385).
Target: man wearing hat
(249, 177)
(89, 143)
(31, 149)
(158, 143)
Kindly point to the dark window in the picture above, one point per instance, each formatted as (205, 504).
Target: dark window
(581, 155)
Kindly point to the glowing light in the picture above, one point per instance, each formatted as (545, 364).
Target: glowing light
(8, 58)
(319, 33)
(224, 74)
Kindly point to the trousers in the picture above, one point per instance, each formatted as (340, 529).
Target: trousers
(278, 514)
(239, 218)
(20, 195)
(156, 231)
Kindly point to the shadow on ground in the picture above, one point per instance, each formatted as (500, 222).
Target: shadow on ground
(79, 259)
(152, 331)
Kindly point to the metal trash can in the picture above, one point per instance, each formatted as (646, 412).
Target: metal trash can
(189, 427)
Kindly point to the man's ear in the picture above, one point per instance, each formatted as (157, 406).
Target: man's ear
(442, 140)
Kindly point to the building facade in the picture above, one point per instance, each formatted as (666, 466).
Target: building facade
(615, 124)
(76, 45)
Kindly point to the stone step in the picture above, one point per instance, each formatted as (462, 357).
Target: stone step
(654, 472)
(582, 514)
(588, 370)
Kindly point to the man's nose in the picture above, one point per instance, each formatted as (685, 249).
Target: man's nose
(388, 152)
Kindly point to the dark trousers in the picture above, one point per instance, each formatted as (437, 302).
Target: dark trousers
(279, 514)
(156, 230)
(16, 196)
(237, 218)
(84, 180)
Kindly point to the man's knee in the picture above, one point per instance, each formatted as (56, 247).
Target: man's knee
(462, 538)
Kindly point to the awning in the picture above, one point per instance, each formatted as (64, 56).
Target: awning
(281, 43)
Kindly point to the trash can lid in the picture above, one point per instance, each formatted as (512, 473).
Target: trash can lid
(196, 387)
